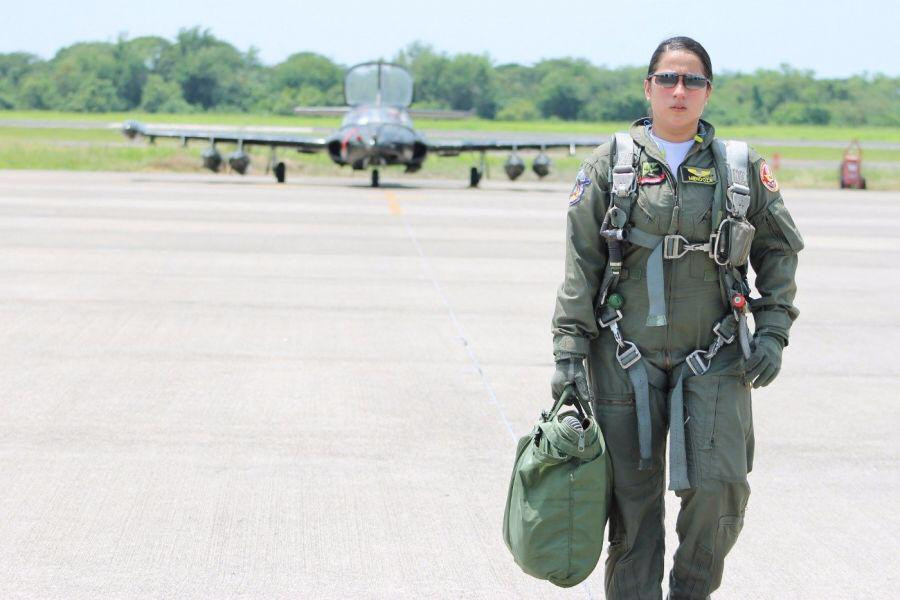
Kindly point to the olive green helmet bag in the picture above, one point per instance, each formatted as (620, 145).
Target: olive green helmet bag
(559, 496)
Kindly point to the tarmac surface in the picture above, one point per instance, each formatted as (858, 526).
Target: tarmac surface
(216, 387)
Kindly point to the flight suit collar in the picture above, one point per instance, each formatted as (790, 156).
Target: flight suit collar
(641, 135)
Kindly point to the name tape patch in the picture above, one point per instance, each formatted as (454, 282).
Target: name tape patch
(698, 175)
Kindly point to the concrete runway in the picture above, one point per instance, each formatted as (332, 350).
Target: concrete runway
(225, 388)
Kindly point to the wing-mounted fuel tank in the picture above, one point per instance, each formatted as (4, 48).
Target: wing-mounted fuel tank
(212, 159)
(514, 166)
(238, 160)
(541, 165)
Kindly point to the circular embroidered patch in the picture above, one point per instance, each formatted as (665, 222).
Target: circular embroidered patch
(767, 177)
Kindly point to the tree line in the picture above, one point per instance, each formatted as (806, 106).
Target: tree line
(198, 72)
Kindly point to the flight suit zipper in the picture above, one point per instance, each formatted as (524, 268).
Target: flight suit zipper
(674, 226)
(676, 214)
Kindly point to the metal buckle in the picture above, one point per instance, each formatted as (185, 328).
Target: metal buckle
(623, 180)
(697, 363)
(738, 197)
(717, 329)
(674, 246)
(627, 355)
(713, 241)
(611, 233)
(615, 218)
(605, 324)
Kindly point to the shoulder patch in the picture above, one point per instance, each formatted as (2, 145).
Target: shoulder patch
(767, 177)
(581, 183)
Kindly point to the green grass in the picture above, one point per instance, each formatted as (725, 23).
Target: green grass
(814, 133)
(823, 153)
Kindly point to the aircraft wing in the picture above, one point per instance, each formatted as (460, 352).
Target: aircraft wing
(321, 111)
(453, 148)
(247, 138)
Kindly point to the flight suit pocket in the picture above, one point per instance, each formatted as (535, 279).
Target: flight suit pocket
(702, 266)
(727, 534)
(732, 437)
(780, 220)
(700, 409)
(644, 213)
(700, 394)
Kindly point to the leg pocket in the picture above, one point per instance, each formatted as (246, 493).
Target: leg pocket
(618, 422)
(700, 408)
(727, 534)
(732, 439)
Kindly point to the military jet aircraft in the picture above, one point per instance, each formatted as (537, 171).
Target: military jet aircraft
(376, 131)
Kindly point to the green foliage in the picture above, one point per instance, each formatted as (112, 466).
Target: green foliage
(307, 69)
(798, 113)
(464, 82)
(161, 96)
(519, 109)
(197, 72)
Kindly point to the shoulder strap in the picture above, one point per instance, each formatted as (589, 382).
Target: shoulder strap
(622, 191)
(736, 156)
(623, 180)
(737, 170)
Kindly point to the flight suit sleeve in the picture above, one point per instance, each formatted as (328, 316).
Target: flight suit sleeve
(773, 253)
(574, 323)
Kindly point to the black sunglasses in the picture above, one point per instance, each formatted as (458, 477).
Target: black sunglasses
(670, 80)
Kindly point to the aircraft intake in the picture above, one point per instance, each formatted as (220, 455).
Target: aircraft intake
(212, 160)
(541, 165)
(514, 166)
(239, 161)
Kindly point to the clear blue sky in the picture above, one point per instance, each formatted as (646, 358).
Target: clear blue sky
(833, 38)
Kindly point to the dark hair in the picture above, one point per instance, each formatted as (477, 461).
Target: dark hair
(681, 43)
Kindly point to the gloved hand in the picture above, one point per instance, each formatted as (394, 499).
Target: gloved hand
(569, 370)
(765, 362)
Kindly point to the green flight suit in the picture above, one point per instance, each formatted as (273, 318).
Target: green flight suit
(719, 426)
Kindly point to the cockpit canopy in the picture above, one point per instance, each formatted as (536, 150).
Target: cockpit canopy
(378, 83)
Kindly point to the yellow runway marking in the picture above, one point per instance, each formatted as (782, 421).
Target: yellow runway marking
(393, 204)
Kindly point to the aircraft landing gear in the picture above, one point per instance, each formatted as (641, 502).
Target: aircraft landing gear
(474, 177)
(374, 177)
(280, 171)
(278, 167)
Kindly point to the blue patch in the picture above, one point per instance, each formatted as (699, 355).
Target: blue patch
(581, 183)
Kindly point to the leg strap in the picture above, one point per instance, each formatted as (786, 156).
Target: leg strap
(637, 373)
(678, 475)
(640, 380)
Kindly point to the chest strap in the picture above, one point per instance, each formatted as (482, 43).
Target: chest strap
(664, 247)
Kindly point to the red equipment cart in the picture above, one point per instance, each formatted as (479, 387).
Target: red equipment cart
(851, 167)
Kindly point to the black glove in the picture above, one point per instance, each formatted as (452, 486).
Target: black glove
(569, 370)
(765, 362)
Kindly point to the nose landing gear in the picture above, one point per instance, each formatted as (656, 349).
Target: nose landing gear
(374, 177)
